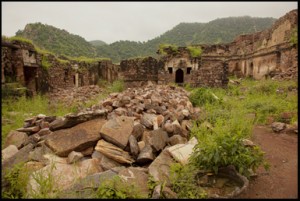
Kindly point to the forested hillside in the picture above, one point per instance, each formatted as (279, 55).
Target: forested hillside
(56, 40)
(222, 30)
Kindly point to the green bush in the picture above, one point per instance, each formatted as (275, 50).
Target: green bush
(195, 51)
(224, 147)
(202, 96)
(17, 179)
(162, 49)
(117, 86)
(115, 188)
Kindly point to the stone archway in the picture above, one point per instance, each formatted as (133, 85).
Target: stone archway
(179, 76)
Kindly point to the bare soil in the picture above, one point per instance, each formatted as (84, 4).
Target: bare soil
(281, 181)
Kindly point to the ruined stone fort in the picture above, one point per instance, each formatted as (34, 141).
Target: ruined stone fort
(259, 55)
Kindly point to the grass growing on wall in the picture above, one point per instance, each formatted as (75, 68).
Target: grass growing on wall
(195, 51)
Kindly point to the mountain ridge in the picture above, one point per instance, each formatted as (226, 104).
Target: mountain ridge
(221, 30)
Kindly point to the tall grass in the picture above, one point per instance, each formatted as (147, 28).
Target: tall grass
(15, 111)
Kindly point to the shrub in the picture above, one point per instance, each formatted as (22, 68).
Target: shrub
(183, 181)
(117, 86)
(17, 179)
(167, 48)
(115, 188)
(201, 96)
(195, 51)
(224, 146)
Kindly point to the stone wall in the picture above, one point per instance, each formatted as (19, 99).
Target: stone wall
(260, 54)
(136, 72)
(45, 72)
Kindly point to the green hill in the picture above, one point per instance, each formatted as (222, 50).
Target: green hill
(222, 30)
(97, 43)
(57, 40)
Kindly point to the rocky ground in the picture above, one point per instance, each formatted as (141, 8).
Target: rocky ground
(134, 134)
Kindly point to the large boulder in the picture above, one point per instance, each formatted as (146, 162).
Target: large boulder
(77, 138)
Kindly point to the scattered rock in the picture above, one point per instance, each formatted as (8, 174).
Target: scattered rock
(278, 126)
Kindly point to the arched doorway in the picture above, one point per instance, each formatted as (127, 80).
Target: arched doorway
(179, 76)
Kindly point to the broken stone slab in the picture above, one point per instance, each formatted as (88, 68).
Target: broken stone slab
(105, 162)
(62, 175)
(113, 152)
(77, 138)
(136, 177)
(74, 157)
(71, 120)
(29, 130)
(158, 139)
(44, 132)
(160, 167)
(62, 142)
(118, 130)
(146, 155)
(9, 152)
(134, 148)
(182, 152)
(16, 138)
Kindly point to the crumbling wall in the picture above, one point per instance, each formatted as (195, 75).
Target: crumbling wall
(136, 72)
(261, 54)
(212, 73)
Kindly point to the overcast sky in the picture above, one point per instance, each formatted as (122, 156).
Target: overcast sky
(136, 21)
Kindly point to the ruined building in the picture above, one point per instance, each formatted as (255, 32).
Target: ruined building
(259, 55)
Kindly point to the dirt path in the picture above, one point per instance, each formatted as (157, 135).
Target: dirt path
(282, 153)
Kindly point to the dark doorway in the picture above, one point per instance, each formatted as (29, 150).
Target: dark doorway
(251, 70)
(30, 79)
(179, 76)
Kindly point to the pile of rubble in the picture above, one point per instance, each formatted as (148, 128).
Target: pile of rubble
(77, 95)
(289, 74)
(134, 134)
